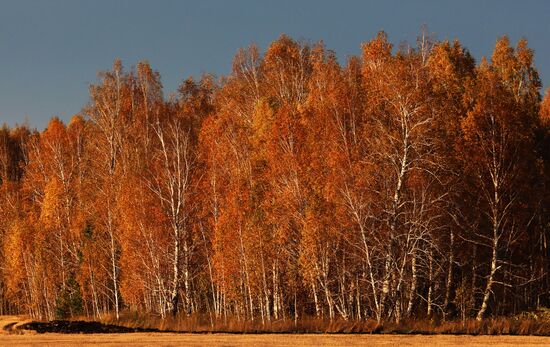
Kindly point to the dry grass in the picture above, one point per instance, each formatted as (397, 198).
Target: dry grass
(204, 324)
(432, 331)
(164, 339)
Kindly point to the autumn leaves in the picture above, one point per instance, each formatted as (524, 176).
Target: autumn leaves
(407, 183)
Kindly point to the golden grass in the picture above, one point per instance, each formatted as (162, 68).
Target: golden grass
(290, 340)
(205, 324)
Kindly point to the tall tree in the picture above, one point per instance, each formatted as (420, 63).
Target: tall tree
(498, 152)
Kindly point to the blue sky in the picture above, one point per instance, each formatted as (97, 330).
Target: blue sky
(50, 51)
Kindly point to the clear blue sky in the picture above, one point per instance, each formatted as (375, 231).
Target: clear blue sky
(50, 51)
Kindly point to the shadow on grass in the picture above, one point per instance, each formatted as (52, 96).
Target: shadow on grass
(82, 327)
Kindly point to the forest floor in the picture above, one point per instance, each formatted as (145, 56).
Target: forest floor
(17, 331)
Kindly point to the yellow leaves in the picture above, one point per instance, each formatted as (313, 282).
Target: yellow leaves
(449, 67)
(378, 48)
(52, 205)
(544, 112)
(503, 56)
(17, 245)
(524, 54)
(262, 121)
(77, 123)
(282, 51)
(309, 251)
(516, 70)
(286, 67)
(246, 66)
(55, 132)
(117, 66)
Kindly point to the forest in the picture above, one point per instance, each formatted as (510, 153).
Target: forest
(408, 182)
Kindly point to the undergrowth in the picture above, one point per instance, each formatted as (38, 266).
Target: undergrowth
(517, 325)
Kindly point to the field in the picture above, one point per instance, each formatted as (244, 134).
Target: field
(164, 339)
(12, 334)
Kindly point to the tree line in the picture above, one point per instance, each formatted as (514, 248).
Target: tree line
(409, 182)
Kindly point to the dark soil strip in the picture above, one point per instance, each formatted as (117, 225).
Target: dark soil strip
(9, 327)
(80, 327)
(91, 327)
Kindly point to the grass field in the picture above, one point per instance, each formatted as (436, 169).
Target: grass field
(10, 335)
(164, 339)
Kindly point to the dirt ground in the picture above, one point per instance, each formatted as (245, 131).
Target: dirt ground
(163, 339)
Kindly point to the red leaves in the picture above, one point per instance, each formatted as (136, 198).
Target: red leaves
(294, 177)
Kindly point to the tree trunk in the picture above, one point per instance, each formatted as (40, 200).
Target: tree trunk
(430, 284)
(490, 279)
(449, 276)
(412, 291)
(175, 275)
(114, 268)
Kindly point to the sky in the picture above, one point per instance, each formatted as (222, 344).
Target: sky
(51, 51)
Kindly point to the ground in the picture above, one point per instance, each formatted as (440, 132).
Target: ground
(28, 338)
(162, 339)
